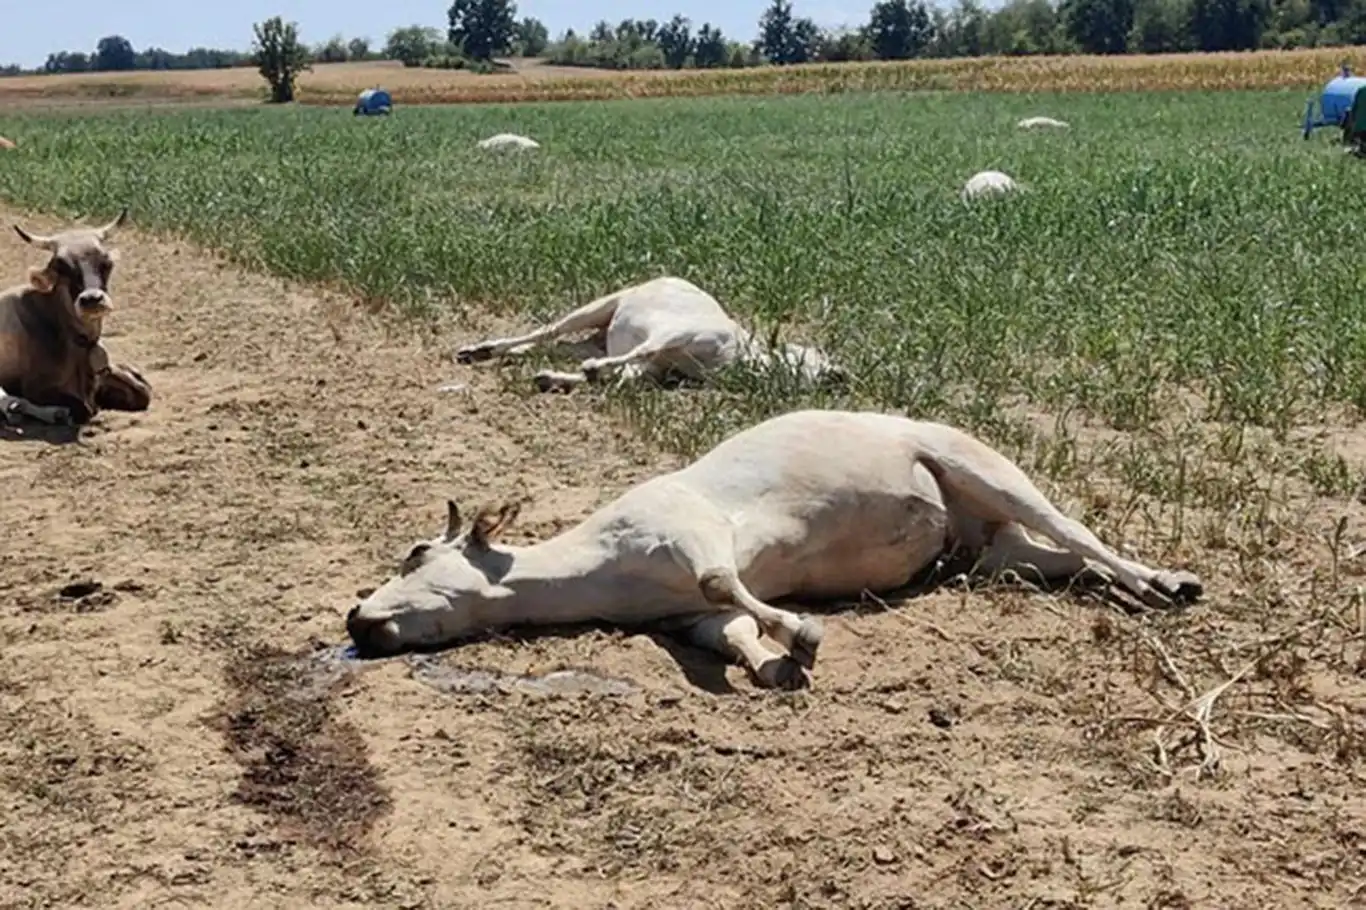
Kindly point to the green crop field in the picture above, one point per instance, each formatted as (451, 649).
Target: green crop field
(1177, 257)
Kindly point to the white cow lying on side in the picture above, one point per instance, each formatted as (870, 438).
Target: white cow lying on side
(663, 326)
(989, 183)
(811, 504)
(1030, 123)
(508, 141)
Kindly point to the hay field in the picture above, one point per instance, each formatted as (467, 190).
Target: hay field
(535, 80)
(1165, 331)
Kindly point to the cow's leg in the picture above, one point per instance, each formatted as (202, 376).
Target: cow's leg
(707, 553)
(735, 635)
(13, 409)
(639, 355)
(123, 388)
(984, 486)
(595, 315)
(1010, 548)
(555, 381)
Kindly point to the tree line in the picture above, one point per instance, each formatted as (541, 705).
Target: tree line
(480, 30)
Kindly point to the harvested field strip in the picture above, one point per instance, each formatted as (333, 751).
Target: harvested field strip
(338, 84)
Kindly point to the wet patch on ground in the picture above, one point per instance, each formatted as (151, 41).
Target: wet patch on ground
(300, 765)
(452, 679)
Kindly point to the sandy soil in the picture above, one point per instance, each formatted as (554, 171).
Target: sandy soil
(165, 745)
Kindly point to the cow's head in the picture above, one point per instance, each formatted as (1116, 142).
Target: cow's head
(80, 265)
(446, 587)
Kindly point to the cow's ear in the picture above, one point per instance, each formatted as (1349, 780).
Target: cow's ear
(491, 522)
(452, 521)
(43, 280)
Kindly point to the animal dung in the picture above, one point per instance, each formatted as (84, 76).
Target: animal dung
(1033, 123)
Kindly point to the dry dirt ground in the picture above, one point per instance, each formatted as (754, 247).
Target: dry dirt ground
(170, 738)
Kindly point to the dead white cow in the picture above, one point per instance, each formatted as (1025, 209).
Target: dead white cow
(811, 504)
(660, 327)
(989, 183)
(508, 141)
(1033, 123)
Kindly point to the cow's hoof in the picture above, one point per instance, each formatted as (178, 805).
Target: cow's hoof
(545, 383)
(783, 673)
(1178, 587)
(474, 353)
(807, 642)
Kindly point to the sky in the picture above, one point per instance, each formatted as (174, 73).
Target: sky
(28, 35)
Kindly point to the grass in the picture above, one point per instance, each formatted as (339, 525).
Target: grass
(1186, 240)
(1182, 273)
(534, 80)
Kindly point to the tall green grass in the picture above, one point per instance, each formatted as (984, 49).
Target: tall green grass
(1172, 241)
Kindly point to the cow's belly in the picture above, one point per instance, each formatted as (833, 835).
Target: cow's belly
(873, 542)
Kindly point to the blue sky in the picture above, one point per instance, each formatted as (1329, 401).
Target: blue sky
(31, 32)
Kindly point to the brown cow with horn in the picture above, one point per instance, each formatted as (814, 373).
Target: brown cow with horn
(53, 367)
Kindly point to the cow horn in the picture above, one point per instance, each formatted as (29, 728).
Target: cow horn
(452, 520)
(104, 231)
(44, 243)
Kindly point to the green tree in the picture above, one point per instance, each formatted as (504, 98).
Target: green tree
(710, 50)
(1227, 25)
(675, 40)
(532, 37)
(358, 49)
(1099, 26)
(482, 28)
(412, 44)
(333, 51)
(280, 57)
(1160, 27)
(784, 39)
(899, 29)
(114, 52)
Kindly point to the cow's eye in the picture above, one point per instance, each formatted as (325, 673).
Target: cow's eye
(65, 269)
(413, 561)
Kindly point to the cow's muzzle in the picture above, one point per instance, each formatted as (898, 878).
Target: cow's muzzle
(94, 302)
(372, 637)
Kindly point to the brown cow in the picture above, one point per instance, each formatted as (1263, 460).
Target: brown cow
(53, 367)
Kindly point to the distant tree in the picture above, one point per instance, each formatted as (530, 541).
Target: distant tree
(358, 49)
(900, 29)
(1228, 25)
(1099, 26)
(66, 62)
(532, 37)
(675, 40)
(1160, 27)
(412, 44)
(784, 39)
(482, 28)
(334, 50)
(846, 45)
(280, 57)
(114, 53)
(709, 50)
(155, 58)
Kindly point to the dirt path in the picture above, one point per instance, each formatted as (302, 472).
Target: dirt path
(157, 753)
